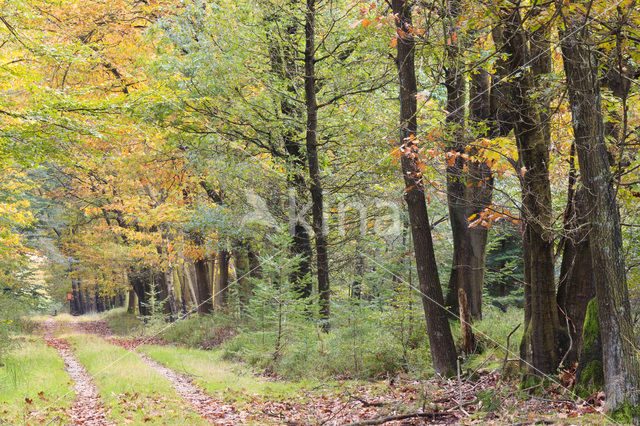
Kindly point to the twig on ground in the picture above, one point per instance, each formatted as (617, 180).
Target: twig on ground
(364, 402)
(381, 420)
(506, 354)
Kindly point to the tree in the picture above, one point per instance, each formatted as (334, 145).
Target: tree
(621, 368)
(533, 149)
(441, 341)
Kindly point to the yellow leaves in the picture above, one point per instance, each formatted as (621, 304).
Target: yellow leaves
(498, 153)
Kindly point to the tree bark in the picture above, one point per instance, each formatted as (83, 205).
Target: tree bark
(455, 145)
(204, 289)
(189, 292)
(533, 150)
(74, 305)
(171, 304)
(479, 192)
(243, 274)
(283, 65)
(221, 295)
(468, 340)
(133, 300)
(621, 368)
(576, 286)
(317, 208)
(441, 341)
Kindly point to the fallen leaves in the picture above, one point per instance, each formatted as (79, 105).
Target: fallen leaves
(87, 408)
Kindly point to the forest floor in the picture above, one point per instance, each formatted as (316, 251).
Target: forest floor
(75, 370)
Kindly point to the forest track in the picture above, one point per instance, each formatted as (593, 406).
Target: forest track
(215, 411)
(87, 408)
(212, 410)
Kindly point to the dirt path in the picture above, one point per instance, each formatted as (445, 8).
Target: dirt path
(87, 408)
(213, 410)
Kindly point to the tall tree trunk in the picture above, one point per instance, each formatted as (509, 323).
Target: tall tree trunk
(189, 297)
(621, 367)
(455, 146)
(133, 300)
(74, 305)
(533, 150)
(243, 271)
(283, 64)
(140, 282)
(576, 286)
(99, 301)
(443, 350)
(356, 286)
(204, 289)
(82, 306)
(254, 264)
(317, 208)
(479, 191)
(221, 295)
(171, 304)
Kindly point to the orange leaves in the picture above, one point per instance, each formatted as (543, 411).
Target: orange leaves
(396, 153)
(490, 215)
(452, 156)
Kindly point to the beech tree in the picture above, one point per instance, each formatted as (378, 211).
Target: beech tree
(441, 341)
(620, 362)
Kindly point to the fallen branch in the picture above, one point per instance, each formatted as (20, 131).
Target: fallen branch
(381, 420)
(364, 402)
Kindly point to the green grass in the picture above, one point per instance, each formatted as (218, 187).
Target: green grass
(233, 382)
(492, 334)
(130, 389)
(121, 322)
(34, 372)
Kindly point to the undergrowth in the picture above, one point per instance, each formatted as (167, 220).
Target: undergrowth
(364, 342)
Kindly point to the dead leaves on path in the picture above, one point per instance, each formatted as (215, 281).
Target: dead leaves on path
(87, 408)
(483, 398)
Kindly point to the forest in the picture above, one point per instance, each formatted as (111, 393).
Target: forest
(319, 212)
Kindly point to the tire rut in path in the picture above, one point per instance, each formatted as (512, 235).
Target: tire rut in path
(213, 411)
(87, 408)
(207, 407)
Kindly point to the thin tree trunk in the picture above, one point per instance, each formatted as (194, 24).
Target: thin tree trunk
(133, 300)
(221, 294)
(621, 368)
(479, 192)
(468, 340)
(317, 208)
(441, 341)
(283, 65)
(172, 305)
(241, 261)
(356, 286)
(82, 307)
(455, 146)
